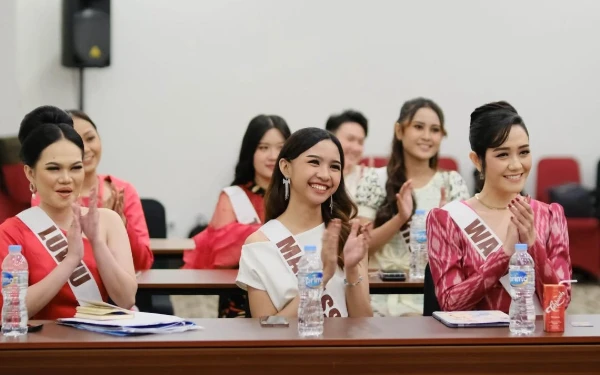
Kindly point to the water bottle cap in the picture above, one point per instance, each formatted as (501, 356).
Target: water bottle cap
(14, 248)
(521, 247)
(420, 211)
(310, 248)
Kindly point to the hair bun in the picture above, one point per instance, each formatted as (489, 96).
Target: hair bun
(490, 107)
(42, 116)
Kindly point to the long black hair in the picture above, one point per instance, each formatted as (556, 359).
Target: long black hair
(343, 207)
(258, 126)
(396, 168)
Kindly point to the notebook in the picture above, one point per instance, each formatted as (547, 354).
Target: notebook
(466, 319)
(97, 310)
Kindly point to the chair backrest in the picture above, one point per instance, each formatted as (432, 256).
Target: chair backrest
(447, 163)
(555, 171)
(14, 186)
(156, 218)
(430, 302)
(598, 189)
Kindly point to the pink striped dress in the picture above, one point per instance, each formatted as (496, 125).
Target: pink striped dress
(465, 281)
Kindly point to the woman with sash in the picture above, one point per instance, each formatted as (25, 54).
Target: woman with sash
(240, 209)
(470, 243)
(307, 195)
(351, 128)
(113, 193)
(66, 266)
(389, 196)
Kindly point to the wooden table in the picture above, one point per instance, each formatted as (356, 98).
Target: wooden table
(168, 252)
(171, 246)
(212, 282)
(418, 345)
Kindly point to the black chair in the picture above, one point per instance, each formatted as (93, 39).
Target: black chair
(430, 302)
(478, 181)
(156, 218)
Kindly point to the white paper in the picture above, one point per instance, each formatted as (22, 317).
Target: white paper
(140, 319)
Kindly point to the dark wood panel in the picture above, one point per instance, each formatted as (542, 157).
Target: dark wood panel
(464, 360)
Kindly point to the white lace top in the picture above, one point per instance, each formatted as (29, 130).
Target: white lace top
(352, 179)
(395, 254)
(370, 195)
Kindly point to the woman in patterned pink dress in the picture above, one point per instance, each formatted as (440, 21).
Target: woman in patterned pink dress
(468, 278)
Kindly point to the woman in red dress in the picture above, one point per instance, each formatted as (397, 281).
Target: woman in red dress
(240, 209)
(65, 265)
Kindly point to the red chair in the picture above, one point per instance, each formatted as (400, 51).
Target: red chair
(555, 171)
(19, 196)
(584, 233)
(447, 163)
(374, 161)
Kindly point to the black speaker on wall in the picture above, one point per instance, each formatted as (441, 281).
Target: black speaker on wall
(86, 33)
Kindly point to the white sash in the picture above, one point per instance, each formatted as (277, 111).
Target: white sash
(244, 211)
(81, 281)
(290, 251)
(483, 239)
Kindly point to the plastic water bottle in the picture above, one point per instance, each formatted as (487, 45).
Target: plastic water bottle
(522, 280)
(15, 278)
(310, 288)
(418, 245)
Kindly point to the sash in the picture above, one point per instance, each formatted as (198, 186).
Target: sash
(244, 211)
(483, 239)
(52, 239)
(290, 253)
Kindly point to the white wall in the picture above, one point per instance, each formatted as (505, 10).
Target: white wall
(187, 76)
(9, 94)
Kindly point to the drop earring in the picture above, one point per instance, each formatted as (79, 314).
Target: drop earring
(286, 182)
(32, 189)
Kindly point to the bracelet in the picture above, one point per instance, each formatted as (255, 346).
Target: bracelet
(360, 279)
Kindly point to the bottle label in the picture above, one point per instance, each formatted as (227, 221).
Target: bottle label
(421, 236)
(518, 278)
(7, 278)
(314, 280)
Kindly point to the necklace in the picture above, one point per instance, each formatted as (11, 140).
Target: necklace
(257, 189)
(490, 207)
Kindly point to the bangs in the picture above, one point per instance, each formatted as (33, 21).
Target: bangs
(504, 127)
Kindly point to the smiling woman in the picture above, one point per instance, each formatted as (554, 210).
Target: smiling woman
(388, 196)
(466, 266)
(306, 195)
(65, 266)
(240, 209)
(113, 193)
